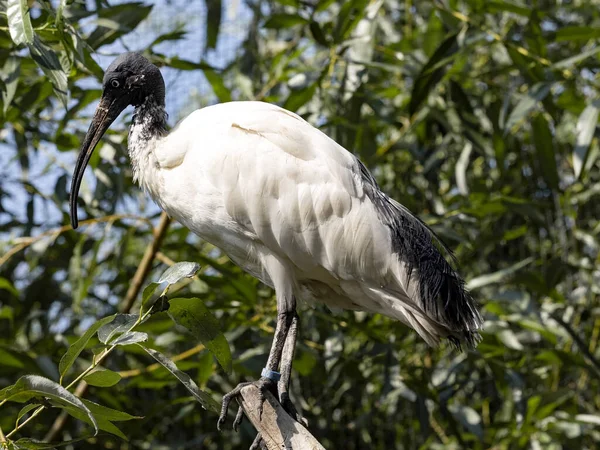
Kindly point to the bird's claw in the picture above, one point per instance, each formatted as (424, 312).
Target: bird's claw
(263, 384)
(238, 419)
(288, 406)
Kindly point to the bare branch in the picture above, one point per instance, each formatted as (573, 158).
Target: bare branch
(278, 429)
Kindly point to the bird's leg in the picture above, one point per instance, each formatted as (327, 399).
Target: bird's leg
(286, 369)
(283, 385)
(286, 312)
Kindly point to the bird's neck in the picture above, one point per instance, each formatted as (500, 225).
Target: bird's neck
(148, 127)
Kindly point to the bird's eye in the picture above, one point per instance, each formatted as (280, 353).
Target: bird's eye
(115, 83)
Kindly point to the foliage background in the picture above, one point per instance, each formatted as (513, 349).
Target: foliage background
(480, 116)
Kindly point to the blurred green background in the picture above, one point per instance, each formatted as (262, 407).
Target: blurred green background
(479, 116)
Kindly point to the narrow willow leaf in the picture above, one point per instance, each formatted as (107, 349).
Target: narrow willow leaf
(496, 277)
(19, 22)
(48, 61)
(213, 22)
(116, 21)
(218, 86)
(569, 63)
(433, 72)
(147, 294)
(102, 378)
(10, 77)
(300, 97)
(461, 169)
(577, 33)
(178, 271)
(279, 21)
(506, 6)
(192, 314)
(8, 286)
(535, 95)
(103, 423)
(131, 337)
(104, 412)
(59, 13)
(586, 126)
(120, 324)
(76, 348)
(544, 146)
(25, 410)
(203, 398)
(30, 386)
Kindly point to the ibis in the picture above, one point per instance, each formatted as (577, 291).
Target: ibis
(288, 205)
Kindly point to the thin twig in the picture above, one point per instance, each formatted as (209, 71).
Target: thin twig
(146, 264)
(25, 242)
(583, 348)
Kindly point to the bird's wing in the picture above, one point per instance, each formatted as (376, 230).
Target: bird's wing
(298, 191)
(308, 199)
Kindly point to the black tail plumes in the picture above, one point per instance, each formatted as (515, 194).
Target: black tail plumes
(441, 290)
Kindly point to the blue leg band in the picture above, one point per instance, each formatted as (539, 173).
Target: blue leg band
(271, 374)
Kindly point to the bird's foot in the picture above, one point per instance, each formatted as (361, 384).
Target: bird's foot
(263, 384)
(288, 406)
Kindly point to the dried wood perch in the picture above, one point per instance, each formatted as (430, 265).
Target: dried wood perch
(278, 429)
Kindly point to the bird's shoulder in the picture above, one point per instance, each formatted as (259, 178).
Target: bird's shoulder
(245, 128)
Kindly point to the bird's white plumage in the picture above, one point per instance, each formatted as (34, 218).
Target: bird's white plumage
(285, 202)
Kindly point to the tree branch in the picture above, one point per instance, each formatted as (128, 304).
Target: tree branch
(277, 428)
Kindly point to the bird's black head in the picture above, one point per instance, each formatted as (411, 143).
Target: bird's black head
(130, 80)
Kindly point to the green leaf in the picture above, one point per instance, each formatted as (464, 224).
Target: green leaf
(544, 146)
(10, 77)
(279, 21)
(300, 97)
(147, 294)
(116, 21)
(104, 412)
(496, 277)
(205, 367)
(203, 398)
(218, 86)
(506, 6)
(8, 286)
(213, 22)
(433, 72)
(48, 61)
(59, 13)
(569, 63)
(586, 127)
(76, 348)
(179, 271)
(131, 337)
(30, 386)
(193, 314)
(103, 423)
(121, 324)
(170, 36)
(461, 169)
(536, 94)
(102, 378)
(25, 410)
(317, 33)
(348, 17)
(184, 64)
(577, 33)
(19, 22)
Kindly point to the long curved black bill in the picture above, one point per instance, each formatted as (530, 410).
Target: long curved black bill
(106, 112)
